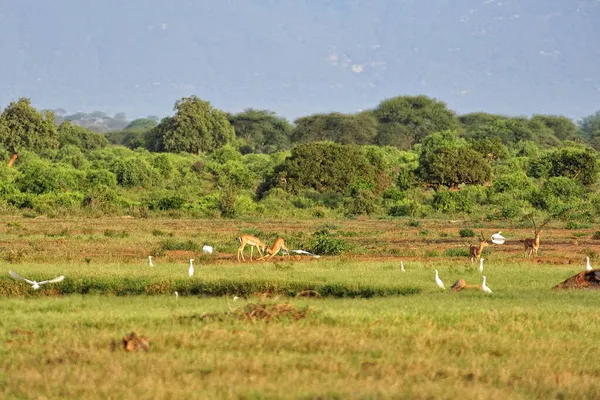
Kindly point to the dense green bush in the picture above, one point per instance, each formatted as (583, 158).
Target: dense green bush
(322, 242)
(133, 171)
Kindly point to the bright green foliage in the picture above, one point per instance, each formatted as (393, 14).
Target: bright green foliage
(261, 131)
(39, 176)
(326, 166)
(340, 128)
(409, 119)
(517, 183)
(490, 147)
(83, 138)
(446, 160)
(133, 171)
(23, 127)
(195, 127)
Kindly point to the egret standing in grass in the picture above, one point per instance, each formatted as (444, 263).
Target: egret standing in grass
(402, 267)
(484, 287)
(34, 284)
(150, 261)
(176, 295)
(588, 266)
(438, 281)
(481, 265)
(191, 269)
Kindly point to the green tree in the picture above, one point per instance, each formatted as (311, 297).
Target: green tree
(413, 117)
(340, 128)
(327, 166)
(447, 160)
(81, 137)
(576, 163)
(23, 127)
(261, 131)
(195, 127)
(589, 128)
(563, 128)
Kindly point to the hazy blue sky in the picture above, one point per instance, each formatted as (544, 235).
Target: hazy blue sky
(302, 57)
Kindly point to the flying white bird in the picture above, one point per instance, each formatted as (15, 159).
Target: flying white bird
(484, 287)
(150, 261)
(36, 285)
(305, 253)
(207, 249)
(438, 281)
(402, 267)
(481, 265)
(191, 269)
(497, 238)
(588, 266)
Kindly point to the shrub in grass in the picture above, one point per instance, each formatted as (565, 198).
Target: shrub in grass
(115, 234)
(457, 252)
(466, 233)
(596, 235)
(171, 244)
(323, 243)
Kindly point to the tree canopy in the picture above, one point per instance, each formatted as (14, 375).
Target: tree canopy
(195, 127)
(22, 127)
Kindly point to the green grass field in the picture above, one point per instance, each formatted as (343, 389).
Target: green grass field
(407, 340)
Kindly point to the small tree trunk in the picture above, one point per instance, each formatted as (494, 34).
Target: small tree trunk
(13, 157)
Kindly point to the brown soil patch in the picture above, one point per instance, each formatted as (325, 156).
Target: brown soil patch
(583, 280)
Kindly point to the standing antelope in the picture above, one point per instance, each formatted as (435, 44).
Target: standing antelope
(532, 245)
(277, 245)
(475, 251)
(253, 242)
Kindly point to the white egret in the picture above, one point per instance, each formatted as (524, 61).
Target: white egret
(497, 238)
(305, 253)
(191, 269)
(588, 266)
(402, 267)
(176, 295)
(438, 281)
(484, 287)
(481, 265)
(34, 284)
(150, 261)
(235, 298)
(207, 249)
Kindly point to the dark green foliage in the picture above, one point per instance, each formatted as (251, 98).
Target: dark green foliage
(596, 235)
(466, 233)
(78, 136)
(171, 244)
(340, 128)
(195, 127)
(409, 119)
(447, 161)
(362, 201)
(457, 252)
(96, 177)
(326, 166)
(165, 201)
(261, 131)
(575, 163)
(590, 127)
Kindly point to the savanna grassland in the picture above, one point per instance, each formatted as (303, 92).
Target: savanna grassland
(375, 332)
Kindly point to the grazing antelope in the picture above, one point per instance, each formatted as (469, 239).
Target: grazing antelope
(475, 251)
(277, 245)
(253, 242)
(532, 245)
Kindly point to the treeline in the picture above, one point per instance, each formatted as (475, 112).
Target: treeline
(410, 156)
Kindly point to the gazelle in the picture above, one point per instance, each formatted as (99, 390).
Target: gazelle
(532, 245)
(277, 245)
(253, 242)
(475, 251)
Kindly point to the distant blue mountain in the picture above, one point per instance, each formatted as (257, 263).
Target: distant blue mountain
(302, 57)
